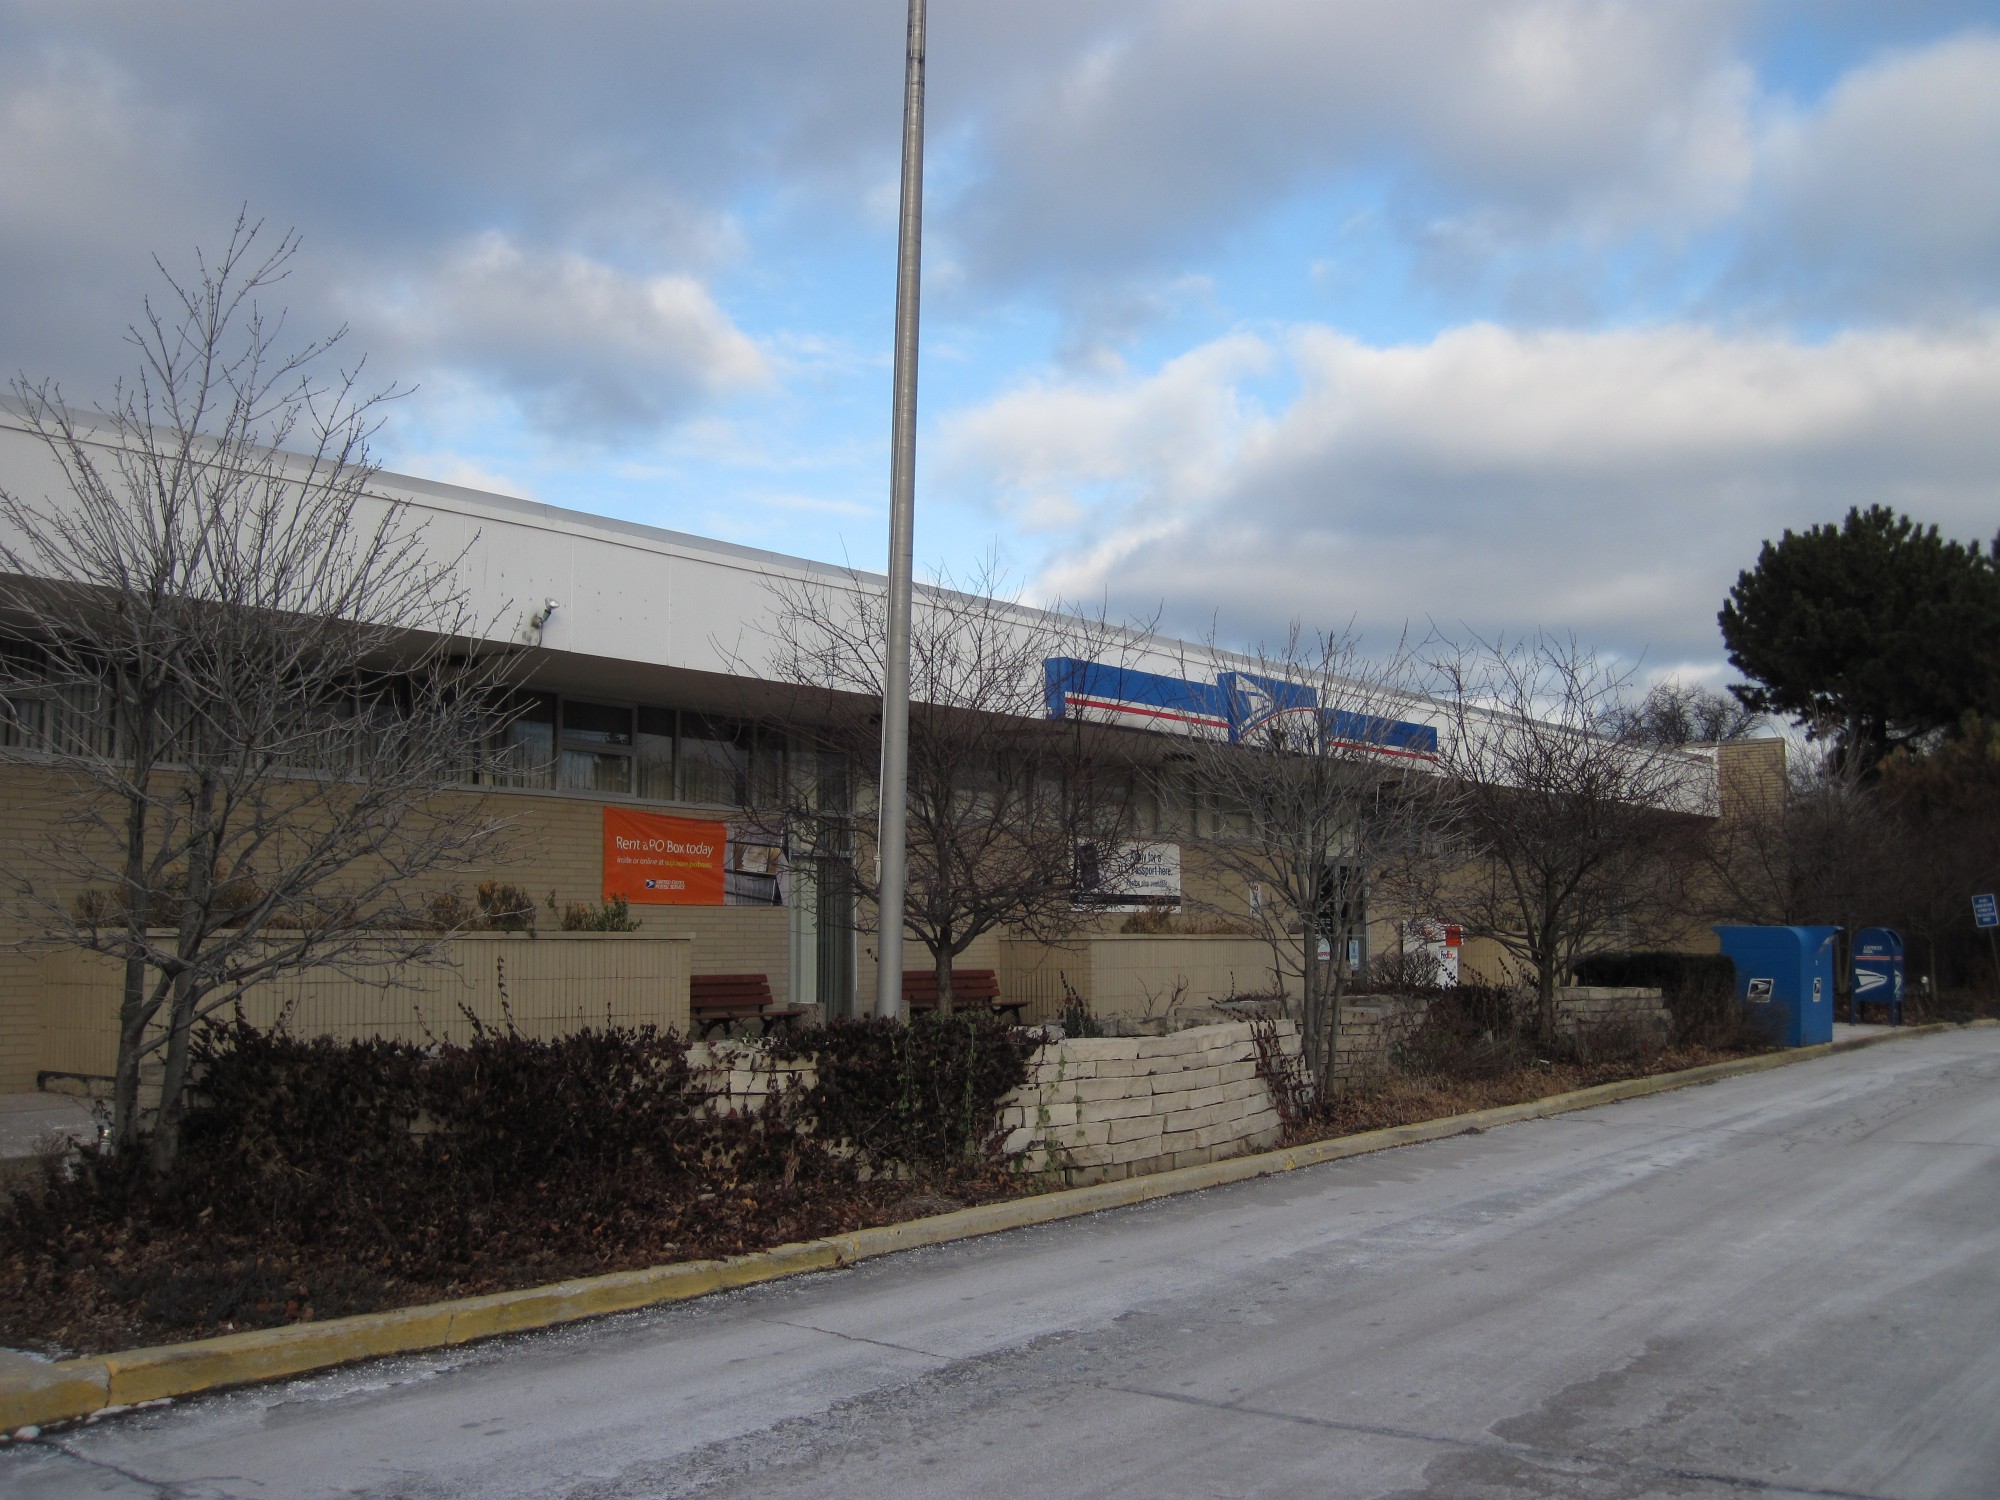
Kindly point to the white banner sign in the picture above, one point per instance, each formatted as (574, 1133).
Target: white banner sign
(1142, 877)
(1441, 942)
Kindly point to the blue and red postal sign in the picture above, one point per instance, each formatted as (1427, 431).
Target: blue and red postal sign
(1236, 705)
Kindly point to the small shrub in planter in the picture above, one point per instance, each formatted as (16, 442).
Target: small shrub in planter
(923, 1096)
(612, 914)
(505, 908)
(1469, 1031)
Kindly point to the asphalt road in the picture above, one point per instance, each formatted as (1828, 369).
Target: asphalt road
(1786, 1285)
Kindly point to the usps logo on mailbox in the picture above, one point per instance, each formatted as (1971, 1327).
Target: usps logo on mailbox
(1759, 992)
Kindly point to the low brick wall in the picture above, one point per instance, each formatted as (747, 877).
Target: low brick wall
(1096, 1109)
(546, 984)
(1134, 974)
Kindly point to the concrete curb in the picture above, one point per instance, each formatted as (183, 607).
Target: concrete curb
(36, 1393)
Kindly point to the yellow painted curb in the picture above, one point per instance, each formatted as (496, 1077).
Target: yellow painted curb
(32, 1392)
(37, 1394)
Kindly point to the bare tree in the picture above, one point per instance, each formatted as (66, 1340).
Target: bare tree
(1683, 713)
(251, 672)
(1942, 811)
(1809, 854)
(1323, 802)
(1003, 803)
(1571, 835)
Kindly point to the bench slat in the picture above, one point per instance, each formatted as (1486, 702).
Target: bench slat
(970, 988)
(718, 999)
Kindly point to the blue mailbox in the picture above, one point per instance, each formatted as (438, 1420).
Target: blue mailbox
(1878, 971)
(1785, 975)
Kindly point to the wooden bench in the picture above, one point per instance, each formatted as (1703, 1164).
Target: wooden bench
(721, 1000)
(971, 989)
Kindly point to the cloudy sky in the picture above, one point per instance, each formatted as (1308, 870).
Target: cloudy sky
(1498, 314)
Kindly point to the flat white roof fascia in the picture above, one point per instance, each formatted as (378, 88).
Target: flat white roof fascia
(615, 601)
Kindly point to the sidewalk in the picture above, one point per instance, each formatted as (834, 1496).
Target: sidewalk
(27, 1118)
(1847, 1031)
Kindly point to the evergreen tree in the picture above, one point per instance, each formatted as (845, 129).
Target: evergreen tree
(1877, 632)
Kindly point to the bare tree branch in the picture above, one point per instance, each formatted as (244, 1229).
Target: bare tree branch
(1324, 801)
(1571, 835)
(1001, 800)
(252, 671)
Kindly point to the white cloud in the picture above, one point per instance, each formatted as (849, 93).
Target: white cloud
(1541, 114)
(1607, 483)
(589, 348)
(1886, 196)
(1052, 453)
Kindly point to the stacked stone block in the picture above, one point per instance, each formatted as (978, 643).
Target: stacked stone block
(1370, 1032)
(1096, 1109)
(1372, 1026)
(1589, 1008)
(740, 1075)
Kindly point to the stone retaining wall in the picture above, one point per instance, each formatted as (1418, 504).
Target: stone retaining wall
(1373, 1025)
(1096, 1109)
(1596, 1007)
(1370, 1031)
(741, 1075)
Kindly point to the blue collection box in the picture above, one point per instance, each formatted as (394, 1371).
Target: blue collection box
(1785, 976)
(1878, 971)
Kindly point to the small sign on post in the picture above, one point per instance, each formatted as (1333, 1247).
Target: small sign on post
(1986, 913)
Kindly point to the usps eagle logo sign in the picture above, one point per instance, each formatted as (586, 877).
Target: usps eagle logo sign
(1236, 706)
(1261, 703)
(1256, 704)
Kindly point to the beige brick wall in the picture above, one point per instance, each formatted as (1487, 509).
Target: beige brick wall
(1750, 777)
(32, 799)
(740, 1076)
(1093, 1110)
(1587, 1007)
(552, 847)
(1369, 1033)
(544, 985)
(1122, 974)
(553, 844)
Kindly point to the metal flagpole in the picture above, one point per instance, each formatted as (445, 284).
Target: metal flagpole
(893, 823)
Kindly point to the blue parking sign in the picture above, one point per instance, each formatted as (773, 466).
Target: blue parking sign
(1985, 911)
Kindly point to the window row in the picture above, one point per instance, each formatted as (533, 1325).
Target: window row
(549, 741)
(569, 744)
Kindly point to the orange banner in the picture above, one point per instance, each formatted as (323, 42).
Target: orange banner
(659, 861)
